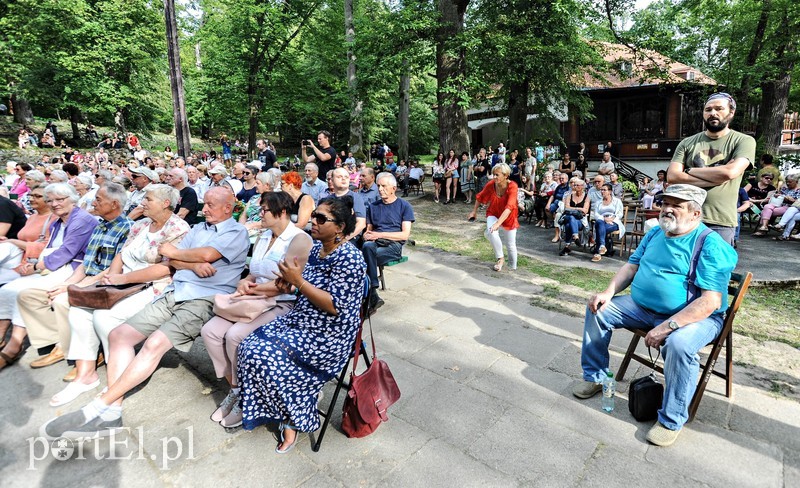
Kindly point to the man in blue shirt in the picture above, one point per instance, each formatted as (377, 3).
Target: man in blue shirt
(369, 190)
(658, 276)
(209, 260)
(341, 187)
(313, 185)
(388, 227)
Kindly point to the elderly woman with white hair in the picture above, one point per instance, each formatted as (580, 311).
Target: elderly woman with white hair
(33, 178)
(266, 181)
(500, 197)
(69, 238)
(132, 265)
(83, 184)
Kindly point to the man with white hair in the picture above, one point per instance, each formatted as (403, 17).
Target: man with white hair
(682, 309)
(188, 205)
(195, 183)
(141, 177)
(389, 222)
(313, 185)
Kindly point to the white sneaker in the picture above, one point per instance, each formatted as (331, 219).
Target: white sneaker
(72, 391)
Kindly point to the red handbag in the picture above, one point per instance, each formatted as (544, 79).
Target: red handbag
(370, 396)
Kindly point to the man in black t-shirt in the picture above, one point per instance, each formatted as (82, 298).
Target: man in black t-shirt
(265, 155)
(324, 156)
(187, 203)
(12, 218)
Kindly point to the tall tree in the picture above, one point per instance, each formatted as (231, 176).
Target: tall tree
(181, 122)
(357, 106)
(451, 93)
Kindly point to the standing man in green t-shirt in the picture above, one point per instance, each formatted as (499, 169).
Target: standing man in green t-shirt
(715, 159)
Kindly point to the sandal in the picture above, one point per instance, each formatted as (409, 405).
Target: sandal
(780, 238)
(11, 360)
(498, 265)
(596, 258)
(555, 239)
(281, 427)
(759, 233)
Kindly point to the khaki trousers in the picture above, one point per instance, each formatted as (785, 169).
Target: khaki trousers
(46, 326)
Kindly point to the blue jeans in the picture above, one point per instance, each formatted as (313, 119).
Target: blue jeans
(601, 229)
(572, 226)
(681, 363)
(376, 255)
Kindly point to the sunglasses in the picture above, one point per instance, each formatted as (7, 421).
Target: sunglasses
(246, 173)
(768, 177)
(321, 218)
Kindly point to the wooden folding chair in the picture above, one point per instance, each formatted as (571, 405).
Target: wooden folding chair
(341, 380)
(737, 289)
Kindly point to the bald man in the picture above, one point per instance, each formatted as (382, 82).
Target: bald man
(208, 261)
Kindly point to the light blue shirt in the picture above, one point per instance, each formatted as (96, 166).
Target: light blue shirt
(661, 282)
(230, 239)
(317, 190)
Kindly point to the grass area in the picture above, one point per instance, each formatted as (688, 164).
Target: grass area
(767, 314)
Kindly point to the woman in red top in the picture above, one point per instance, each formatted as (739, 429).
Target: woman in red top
(500, 196)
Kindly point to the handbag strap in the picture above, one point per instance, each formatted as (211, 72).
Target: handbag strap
(650, 353)
(357, 348)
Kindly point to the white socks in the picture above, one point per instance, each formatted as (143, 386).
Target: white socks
(99, 409)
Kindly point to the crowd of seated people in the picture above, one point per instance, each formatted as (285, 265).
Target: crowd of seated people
(169, 224)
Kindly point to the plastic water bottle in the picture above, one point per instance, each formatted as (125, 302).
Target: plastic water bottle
(609, 389)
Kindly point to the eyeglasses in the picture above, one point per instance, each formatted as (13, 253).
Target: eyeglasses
(322, 219)
(768, 177)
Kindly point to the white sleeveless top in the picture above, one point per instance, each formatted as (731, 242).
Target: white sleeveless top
(264, 263)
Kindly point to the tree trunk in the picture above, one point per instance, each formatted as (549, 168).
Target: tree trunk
(775, 90)
(182, 135)
(402, 122)
(450, 72)
(357, 107)
(22, 110)
(743, 94)
(252, 120)
(74, 120)
(119, 122)
(517, 115)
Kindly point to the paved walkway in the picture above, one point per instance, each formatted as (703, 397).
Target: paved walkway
(486, 402)
(770, 262)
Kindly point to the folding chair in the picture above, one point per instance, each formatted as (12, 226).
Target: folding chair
(416, 185)
(737, 289)
(341, 382)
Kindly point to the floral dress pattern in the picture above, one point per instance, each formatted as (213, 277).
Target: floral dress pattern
(284, 364)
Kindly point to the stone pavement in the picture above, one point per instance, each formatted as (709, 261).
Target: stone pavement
(485, 379)
(771, 262)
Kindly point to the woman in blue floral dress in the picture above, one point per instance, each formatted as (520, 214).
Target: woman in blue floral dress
(284, 364)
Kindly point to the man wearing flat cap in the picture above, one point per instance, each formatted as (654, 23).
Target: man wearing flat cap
(715, 159)
(141, 177)
(681, 314)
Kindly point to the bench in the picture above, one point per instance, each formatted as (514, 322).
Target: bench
(403, 259)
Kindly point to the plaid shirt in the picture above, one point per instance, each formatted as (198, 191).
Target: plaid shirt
(106, 241)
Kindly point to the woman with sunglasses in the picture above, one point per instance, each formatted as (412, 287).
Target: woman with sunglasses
(759, 193)
(29, 240)
(280, 240)
(248, 183)
(284, 364)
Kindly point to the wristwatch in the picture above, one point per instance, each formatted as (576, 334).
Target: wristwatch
(673, 325)
(687, 169)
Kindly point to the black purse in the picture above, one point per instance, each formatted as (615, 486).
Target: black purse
(646, 394)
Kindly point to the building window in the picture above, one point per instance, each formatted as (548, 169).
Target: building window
(604, 125)
(643, 118)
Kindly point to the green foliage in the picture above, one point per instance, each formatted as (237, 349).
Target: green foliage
(632, 187)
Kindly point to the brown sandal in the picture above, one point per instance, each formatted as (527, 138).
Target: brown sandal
(9, 360)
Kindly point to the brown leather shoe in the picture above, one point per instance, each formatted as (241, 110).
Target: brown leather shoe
(101, 360)
(56, 355)
(70, 377)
